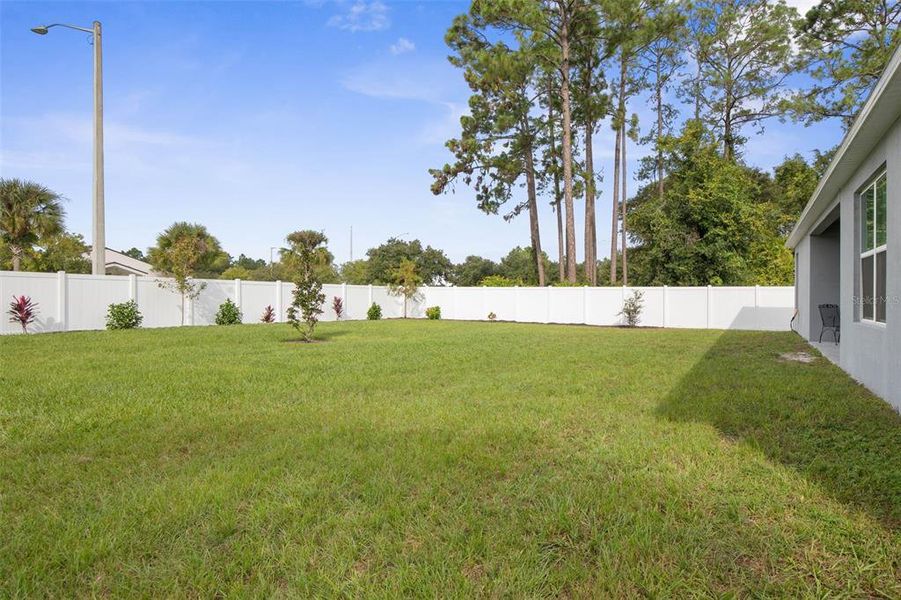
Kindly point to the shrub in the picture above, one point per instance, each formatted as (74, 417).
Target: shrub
(632, 308)
(303, 314)
(123, 315)
(268, 314)
(306, 255)
(24, 311)
(338, 307)
(433, 312)
(228, 313)
(374, 313)
(492, 316)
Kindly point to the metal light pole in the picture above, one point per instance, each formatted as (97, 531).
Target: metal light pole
(98, 246)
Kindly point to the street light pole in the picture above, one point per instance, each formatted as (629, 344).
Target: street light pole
(98, 252)
(98, 245)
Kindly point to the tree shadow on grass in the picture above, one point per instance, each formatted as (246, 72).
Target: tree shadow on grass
(811, 417)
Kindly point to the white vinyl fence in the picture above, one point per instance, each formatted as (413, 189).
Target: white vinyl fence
(78, 302)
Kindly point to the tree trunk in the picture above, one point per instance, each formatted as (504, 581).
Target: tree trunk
(614, 218)
(591, 246)
(567, 147)
(658, 88)
(620, 123)
(728, 142)
(623, 207)
(561, 254)
(16, 252)
(533, 211)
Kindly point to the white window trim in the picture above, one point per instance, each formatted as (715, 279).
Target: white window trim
(883, 174)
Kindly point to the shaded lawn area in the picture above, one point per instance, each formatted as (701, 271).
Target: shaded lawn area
(441, 459)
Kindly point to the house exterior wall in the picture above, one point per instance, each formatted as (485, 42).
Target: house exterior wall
(870, 352)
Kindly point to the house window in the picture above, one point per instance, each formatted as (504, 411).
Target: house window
(873, 236)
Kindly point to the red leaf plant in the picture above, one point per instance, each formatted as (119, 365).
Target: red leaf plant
(268, 314)
(23, 310)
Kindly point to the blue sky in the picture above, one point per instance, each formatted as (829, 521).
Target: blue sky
(261, 118)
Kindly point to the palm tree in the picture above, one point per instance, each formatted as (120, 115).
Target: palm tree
(28, 212)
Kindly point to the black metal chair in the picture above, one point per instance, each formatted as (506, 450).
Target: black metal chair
(831, 321)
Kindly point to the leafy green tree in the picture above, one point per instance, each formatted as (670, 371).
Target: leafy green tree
(237, 272)
(432, 264)
(497, 144)
(549, 28)
(659, 63)
(182, 251)
(355, 272)
(473, 270)
(290, 266)
(517, 265)
(634, 26)
(591, 103)
(716, 224)
(744, 55)
(61, 252)
(793, 185)
(500, 281)
(28, 212)
(251, 264)
(405, 282)
(308, 253)
(134, 253)
(844, 46)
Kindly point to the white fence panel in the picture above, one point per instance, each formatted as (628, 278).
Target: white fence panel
(775, 307)
(70, 302)
(392, 306)
(255, 297)
(43, 288)
(567, 305)
(92, 295)
(686, 307)
(501, 301)
(205, 306)
(732, 308)
(603, 306)
(357, 302)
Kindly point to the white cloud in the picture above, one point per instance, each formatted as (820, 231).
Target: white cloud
(401, 46)
(362, 16)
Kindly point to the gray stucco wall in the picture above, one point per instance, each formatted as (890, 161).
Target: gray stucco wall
(871, 353)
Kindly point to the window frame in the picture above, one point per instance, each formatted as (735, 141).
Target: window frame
(869, 190)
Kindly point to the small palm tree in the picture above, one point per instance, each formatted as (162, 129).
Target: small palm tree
(28, 212)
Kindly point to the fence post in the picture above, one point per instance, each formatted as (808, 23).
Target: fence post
(665, 300)
(278, 301)
(709, 305)
(133, 288)
(370, 297)
(584, 305)
(344, 299)
(238, 293)
(547, 292)
(516, 301)
(62, 299)
(756, 306)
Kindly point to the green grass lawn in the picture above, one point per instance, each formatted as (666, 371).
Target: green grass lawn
(441, 459)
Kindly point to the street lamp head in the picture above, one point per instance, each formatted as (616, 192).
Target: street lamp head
(40, 29)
